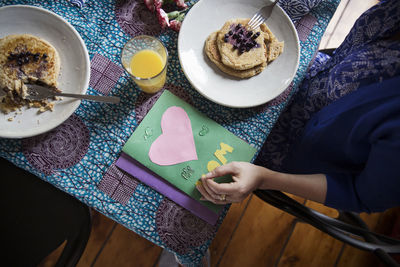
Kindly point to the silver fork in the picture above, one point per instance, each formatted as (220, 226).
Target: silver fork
(262, 15)
(38, 92)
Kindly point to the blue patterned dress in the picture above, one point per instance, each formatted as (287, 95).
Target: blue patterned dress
(370, 54)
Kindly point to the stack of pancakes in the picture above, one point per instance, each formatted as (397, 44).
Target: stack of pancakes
(241, 52)
(25, 59)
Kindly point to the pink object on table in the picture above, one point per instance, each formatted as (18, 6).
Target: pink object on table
(176, 143)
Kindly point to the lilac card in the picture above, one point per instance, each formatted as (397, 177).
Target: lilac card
(159, 184)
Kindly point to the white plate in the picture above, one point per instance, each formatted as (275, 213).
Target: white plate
(208, 16)
(74, 74)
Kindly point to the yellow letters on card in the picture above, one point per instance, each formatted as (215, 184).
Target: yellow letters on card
(219, 153)
(211, 165)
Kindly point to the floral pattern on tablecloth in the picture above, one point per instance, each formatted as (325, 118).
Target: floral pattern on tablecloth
(105, 26)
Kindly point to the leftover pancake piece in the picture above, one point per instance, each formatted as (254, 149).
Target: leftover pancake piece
(25, 58)
(273, 46)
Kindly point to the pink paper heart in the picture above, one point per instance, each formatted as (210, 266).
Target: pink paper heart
(176, 143)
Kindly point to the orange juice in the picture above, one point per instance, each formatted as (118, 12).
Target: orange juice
(146, 64)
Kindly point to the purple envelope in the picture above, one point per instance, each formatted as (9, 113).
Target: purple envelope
(162, 186)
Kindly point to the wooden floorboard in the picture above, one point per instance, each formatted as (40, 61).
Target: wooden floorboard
(125, 248)
(102, 228)
(259, 238)
(309, 246)
(226, 231)
(346, 14)
(332, 25)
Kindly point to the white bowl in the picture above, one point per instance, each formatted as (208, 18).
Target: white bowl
(75, 67)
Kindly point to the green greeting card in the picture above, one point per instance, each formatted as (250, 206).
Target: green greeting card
(179, 143)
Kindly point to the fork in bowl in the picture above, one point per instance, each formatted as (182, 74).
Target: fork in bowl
(40, 92)
(262, 15)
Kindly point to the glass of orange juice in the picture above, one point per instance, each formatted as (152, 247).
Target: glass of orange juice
(145, 58)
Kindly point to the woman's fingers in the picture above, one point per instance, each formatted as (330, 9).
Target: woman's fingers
(222, 193)
(228, 169)
(245, 179)
(222, 171)
(218, 193)
(204, 193)
(223, 188)
(233, 191)
(222, 198)
(210, 191)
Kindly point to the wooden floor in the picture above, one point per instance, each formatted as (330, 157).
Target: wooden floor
(253, 233)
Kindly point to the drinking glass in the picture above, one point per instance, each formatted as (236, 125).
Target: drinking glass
(151, 48)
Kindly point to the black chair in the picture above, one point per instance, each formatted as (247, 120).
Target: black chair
(348, 227)
(38, 218)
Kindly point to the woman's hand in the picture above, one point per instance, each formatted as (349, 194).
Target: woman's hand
(246, 178)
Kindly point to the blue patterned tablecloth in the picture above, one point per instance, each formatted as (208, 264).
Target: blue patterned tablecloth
(78, 156)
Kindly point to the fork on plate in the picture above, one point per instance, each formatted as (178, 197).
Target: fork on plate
(262, 15)
(40, 92)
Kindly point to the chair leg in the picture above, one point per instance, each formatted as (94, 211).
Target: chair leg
(338, 229)
(76, 244)
(355, 219)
